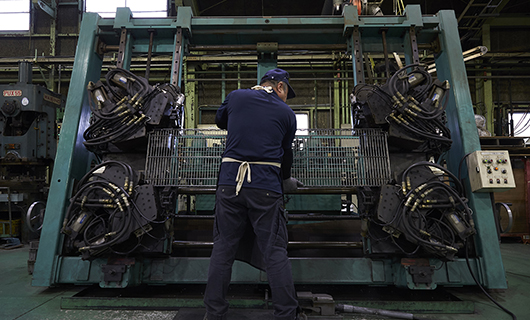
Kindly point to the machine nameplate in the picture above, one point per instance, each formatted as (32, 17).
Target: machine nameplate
(12, 93)
(52, 99)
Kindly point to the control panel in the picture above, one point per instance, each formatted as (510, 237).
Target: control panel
(490, 171)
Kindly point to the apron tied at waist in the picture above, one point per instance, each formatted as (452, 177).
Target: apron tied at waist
(244, 168)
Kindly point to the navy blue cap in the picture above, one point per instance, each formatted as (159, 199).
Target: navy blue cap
(279, 75)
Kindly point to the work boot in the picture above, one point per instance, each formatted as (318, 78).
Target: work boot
(301, 316)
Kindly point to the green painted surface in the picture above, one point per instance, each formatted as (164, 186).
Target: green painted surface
(461, 121)
(191, 97)
(19, 300)
(205, 202)
(93, 303)
(487, 85)
(82, 303)
(72, 158)
(312, 204)
(265, 65)
(358, 271)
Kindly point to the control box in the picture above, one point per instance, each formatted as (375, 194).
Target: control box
(490, 171)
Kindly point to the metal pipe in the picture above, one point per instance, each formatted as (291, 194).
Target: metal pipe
(254, 79)
(59, 79)
(498, 102)
(293, 106)
(149, 53)
(291, 244)
(512, 133)
(254, 71)
(293, 217)
(345, 94)
(339, 47)
(250, 58)
(368, 67)
(330, 105)
(387, 313)
(302, 190)
(223, 82)
(239, 75)
(385, 53)
(11, 80)
(316, 100)
(499, 77)
(25, 72)
(10, 215)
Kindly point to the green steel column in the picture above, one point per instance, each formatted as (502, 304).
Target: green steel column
(264, 66)
(223, 82)
(182, 35)
(189, 111)
(357, 57)
(178, 58)
(267, 57)
(487, 91)
(121, 22)
(355, 47)
(72, 160)
(461, 121)
(336, 94)
(410, 45)
(346, 100)
(238, 75)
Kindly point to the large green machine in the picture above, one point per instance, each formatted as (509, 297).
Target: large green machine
(356, 263)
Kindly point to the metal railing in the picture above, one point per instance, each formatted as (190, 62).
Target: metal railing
(323, 158)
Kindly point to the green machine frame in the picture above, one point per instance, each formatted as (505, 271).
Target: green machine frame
(173, 35)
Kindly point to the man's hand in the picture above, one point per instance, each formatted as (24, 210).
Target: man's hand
(291, 184)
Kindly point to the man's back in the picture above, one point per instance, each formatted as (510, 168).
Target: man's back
(260, 127)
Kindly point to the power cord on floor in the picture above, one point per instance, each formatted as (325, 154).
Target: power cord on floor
(482, 288)
(518, 274)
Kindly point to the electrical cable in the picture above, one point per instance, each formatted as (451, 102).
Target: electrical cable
(432, 212)
(102, 213)
(482, 288)
(414, 105)
(123, 106)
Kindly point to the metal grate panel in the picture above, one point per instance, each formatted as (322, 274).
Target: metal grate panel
(322, 157)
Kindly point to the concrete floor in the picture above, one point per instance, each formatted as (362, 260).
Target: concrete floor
(19, 300)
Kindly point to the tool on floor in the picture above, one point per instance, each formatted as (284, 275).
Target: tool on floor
(324, 305)
(11, 243)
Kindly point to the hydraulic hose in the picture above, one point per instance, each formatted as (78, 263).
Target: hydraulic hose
(345, 308)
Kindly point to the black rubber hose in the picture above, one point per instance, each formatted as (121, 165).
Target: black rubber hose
(482, 288)
(344, 308)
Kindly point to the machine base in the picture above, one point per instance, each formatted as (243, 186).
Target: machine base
(256, 299)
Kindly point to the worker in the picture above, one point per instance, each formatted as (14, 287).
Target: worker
(250, 223)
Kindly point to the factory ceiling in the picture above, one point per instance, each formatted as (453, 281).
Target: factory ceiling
(317, 7)
(471, 14)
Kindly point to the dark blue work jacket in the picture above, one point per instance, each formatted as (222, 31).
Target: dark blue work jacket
(261, 127)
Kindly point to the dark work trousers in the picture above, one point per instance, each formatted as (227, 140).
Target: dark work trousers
(262, 209)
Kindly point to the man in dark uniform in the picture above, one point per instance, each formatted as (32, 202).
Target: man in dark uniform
(255, 170)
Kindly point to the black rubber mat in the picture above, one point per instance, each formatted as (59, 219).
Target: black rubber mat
(233, 314)
(244, 314)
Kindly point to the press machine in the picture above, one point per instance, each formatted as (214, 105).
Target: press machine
(28, 143)
(358, 264)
